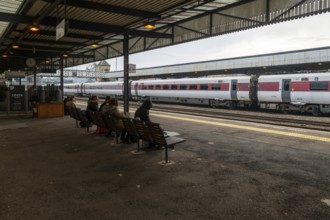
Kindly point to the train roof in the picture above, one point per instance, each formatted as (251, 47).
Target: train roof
(194, 80)
(102, 83)
(293, 76)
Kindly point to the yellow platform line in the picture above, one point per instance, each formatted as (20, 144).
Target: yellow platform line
(263, 130)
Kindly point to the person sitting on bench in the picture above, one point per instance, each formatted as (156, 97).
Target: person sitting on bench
(143, 111)
(70, 102)
(117, 115)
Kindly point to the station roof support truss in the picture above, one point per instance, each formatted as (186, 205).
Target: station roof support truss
(103, 23)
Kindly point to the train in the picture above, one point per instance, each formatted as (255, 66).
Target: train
(303, 93)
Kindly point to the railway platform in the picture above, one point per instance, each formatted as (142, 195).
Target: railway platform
(49, 169)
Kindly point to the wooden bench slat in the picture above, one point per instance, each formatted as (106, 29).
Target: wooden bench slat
(142, 130)
(99, 118)
(110, 125)
(158, 137)
(131, 130)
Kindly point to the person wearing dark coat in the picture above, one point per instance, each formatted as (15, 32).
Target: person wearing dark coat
(107, 99)
(143, 114)
(93, 104)
(143, 111)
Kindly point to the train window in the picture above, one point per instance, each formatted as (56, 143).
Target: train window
(144, 87)
(215, 86)
(234, 87)
(165, 87)
(174, 87)
(158, 87)
(319, 86)
(286, 85)
(204, 87)
(183, 87)
(193, 87)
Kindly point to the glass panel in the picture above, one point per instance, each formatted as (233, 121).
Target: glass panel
(193, 87)
(319, 86)
(215, 86)
(183, 87)
(204, 87)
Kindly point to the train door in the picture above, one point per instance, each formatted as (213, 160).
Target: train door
(233, 91)
(79, 89)
(130, 95)
(286, 90)
(136, 87)
(83, 89)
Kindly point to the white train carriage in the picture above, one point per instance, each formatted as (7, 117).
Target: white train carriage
(113, 89)
(308, 92)
(72, 89)
(216, 91)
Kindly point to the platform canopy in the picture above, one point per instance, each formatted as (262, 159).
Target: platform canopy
(86, 31)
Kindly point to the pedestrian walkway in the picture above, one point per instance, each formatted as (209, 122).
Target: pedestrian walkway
(49, 169)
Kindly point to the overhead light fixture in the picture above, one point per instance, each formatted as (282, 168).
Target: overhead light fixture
(34, 27)
(94, 45)
(15, 46)
(149, 25)
(4, 55)
(65, 55)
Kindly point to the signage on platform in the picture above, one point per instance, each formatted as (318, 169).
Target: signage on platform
(15, 74)
(61, 29)
(131, 68)
(17, 98)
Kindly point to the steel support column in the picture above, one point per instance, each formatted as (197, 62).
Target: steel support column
(35, 77)
(61, 78)
(126, 76)
(267, 11)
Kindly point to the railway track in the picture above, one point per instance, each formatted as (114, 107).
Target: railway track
(256, 117)
(288, 120)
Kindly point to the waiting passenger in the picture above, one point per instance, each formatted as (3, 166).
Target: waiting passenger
(143, 111)
(64, 105)
(106, 102)
(93, 104)
(116, 114)
(70, 102)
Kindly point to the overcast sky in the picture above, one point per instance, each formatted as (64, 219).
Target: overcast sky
(309, 32)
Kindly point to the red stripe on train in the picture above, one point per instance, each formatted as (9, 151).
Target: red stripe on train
(300, 86)
(243, 86)
(269, 86)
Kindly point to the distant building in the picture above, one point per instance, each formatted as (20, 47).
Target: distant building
(103, 66)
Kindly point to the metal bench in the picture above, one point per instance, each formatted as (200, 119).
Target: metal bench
(72, 114)
(99, 119)
(153, 133)
(158, 137)
(76, 114)
(82, 118)
(111, 126)
(142, 130)
(131, 130)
